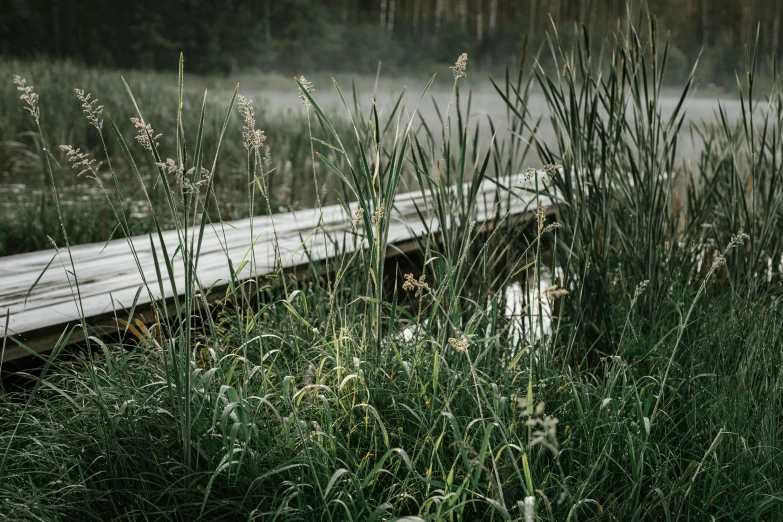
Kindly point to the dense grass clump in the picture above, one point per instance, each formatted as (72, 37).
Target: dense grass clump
(634, 374)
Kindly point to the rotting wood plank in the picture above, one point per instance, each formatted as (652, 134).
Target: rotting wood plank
(109, 279)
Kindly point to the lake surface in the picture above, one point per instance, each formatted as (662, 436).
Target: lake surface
(487, 103)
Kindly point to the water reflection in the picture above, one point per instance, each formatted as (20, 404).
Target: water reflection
(529, 308)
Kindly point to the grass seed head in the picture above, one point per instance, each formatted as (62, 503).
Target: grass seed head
(145, 136)
(192, 181)
(79, 159)
(461, 66)
(29, 97)
(411, 284)
(529, 173)
(378, 216)
(267, 159)
(461, 344)
(541, 218)
(252, 137)
(91, 111)
(736, 240)
(357, 217)
(307, 87)
(551, 168)
(170, 166)
(639, 291)
(543, 228)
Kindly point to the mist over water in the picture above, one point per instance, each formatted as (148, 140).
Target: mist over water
(487, 104)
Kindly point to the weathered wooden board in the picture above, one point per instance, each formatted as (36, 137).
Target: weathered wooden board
(109, 278)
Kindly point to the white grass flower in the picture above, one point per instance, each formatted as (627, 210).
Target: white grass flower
(461, 344)
(736, 239)
(252, 137)
(357, 217)
(91, 111)
(187, 180)
(378, 216)
(81, 160)
(29, 97)
(145, 135)
(541, 219)
(309, 376)
(411, 284)
(552, 226)
(170, 166)
(547, 170)
(544, 431)
(461, 66)
(199, 180)
(529, 173)
(307, 87)
(53, 243)
(246, 111)
(640, 288)
(543, 228)
(551, 168)
(267, 159)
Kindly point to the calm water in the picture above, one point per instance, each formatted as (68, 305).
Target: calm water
(488, 104)
(485, 104)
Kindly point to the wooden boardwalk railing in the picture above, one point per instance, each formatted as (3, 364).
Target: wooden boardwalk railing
(109, 279)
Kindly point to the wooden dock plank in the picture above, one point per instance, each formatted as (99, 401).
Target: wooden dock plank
(109, 278)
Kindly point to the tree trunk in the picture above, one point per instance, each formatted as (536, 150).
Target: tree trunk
(390, 16)
(705, 24)
(531, 30)
(776, 29)
(746, 29)
(493, 17)
(438, 15)
(479, 21)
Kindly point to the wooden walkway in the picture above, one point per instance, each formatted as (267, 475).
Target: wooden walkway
(109, 279)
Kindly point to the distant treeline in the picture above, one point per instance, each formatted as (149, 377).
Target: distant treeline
(300, 35)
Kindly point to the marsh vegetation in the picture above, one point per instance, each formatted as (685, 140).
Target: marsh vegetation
(367, 392)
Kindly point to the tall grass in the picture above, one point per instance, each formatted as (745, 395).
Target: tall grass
(367, 391)
(27, 211)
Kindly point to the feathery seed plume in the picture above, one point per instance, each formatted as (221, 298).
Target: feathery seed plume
(145, 135)
(29, 97)
(307, 87)
(81, 160)
(92, 112)
(252, 137)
